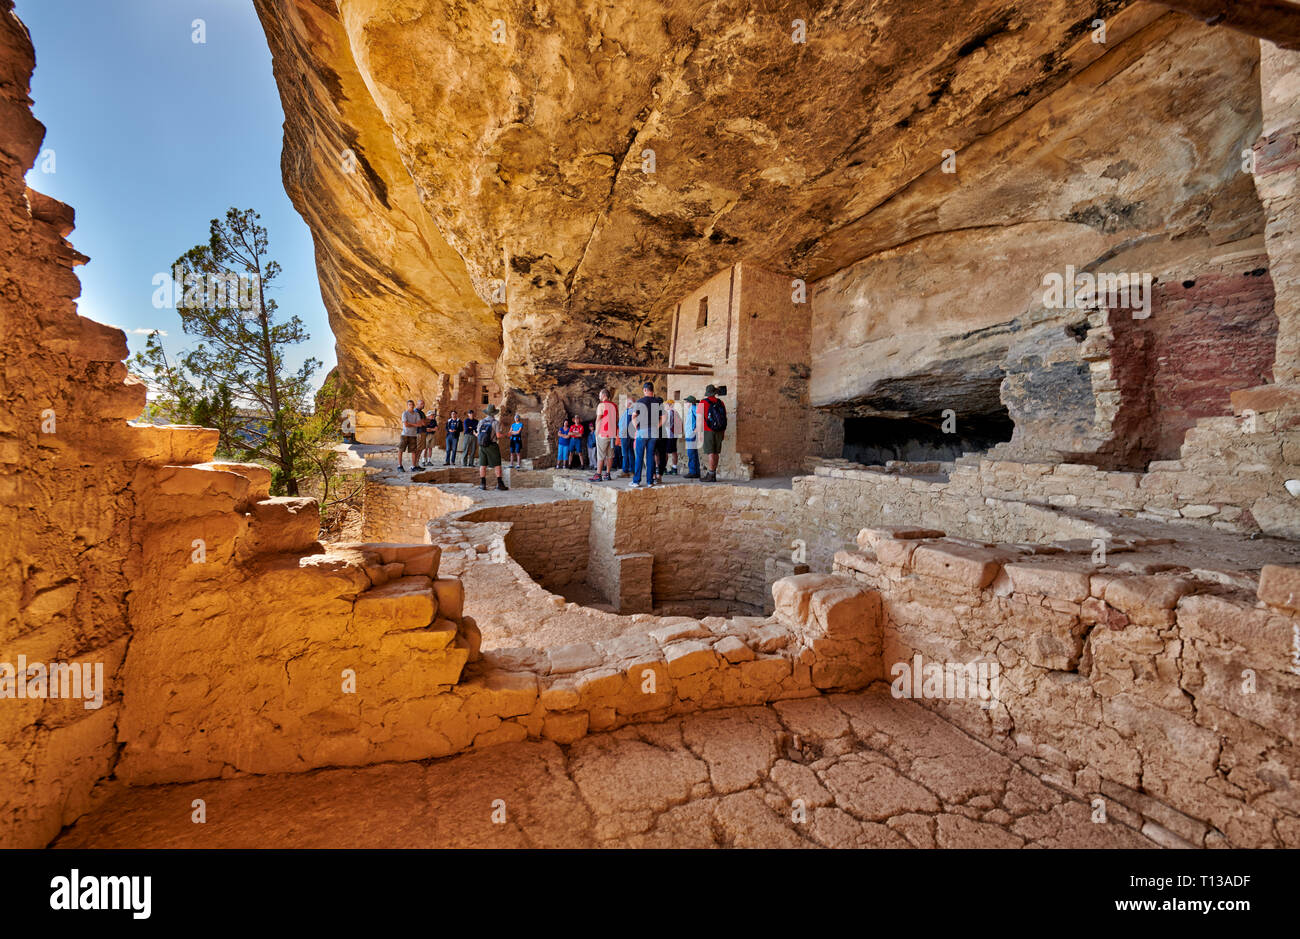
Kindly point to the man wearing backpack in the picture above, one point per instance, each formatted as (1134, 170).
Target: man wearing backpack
(713, 419)
(489, 450)
(471, 438)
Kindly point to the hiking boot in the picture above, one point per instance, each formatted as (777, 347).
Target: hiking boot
(713, 476)
(401, 469)
(597, 478)
(482, 483)
(634, 485)
(501, 486)
(607, 476)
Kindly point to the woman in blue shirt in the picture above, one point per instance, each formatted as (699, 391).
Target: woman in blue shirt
(517, 443)
(562, 445)
(692, 439)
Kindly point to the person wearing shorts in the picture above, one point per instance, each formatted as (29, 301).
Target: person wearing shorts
(606, 428)
(562, 445)
(489, 451)
(517, 442)
(410, 432)
(710, 440)
(575, 444)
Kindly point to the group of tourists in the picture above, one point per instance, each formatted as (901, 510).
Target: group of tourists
(477, 439)
(644, 440)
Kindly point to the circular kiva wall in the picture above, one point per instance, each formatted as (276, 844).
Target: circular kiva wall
(689, 544)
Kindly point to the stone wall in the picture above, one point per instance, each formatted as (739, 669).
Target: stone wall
(708, 541)
(835, 503)
(773, 421)
(716, 344)
(547, 539)
(1277, 168)
(399, 513)
(1169, 697)
(216, 621)
(1211, 333)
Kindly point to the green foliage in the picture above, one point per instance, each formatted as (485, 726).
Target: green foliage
(234, 378)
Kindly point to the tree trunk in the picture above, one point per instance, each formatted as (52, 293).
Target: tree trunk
(273, 391)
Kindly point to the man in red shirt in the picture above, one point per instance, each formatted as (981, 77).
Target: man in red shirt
(712, 430)
(606, 428)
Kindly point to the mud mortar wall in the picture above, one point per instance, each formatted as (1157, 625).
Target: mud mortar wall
(547, 539)
(1126, 687)
(399, 513)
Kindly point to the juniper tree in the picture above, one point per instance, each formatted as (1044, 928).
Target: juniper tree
(239, 357)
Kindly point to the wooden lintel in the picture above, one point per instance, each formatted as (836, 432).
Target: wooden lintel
(634, 369)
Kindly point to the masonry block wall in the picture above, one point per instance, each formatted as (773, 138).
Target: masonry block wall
(1277, 178)
(548, 539)
(775, 423)
(707, 328)
(719, 539)
(399, 513)
(1124, 686)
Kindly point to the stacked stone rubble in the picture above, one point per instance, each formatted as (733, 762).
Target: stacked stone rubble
(1170, 697)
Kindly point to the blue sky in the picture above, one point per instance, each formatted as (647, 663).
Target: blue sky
(152, 136)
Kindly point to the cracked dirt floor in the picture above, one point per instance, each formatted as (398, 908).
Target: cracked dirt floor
(871, 771)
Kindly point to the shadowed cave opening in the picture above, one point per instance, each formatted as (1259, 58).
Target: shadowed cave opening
(873, 440)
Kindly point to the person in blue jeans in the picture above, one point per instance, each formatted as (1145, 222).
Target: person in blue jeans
(454, 428)
(647, 417)
(625, 435)
(692, 439)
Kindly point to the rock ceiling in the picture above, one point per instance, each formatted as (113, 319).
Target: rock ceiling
(448, 153)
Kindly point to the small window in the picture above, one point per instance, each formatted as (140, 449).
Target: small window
(485, 394)
(703, 319)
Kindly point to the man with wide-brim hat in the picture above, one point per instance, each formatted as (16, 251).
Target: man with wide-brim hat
(713, 426)
(692, 437)
(489, 448)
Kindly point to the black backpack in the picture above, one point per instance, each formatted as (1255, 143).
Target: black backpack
(487, 431)
(715, 415)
